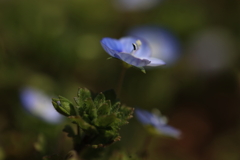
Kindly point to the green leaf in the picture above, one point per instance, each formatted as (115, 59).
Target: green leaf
(104, 109)
(82, 95)
(115, 107)
(90, 129)
(126, 65)
(89, 112)
(99, 99)
(142, 69)
(107, 121)
(67, 106)
(99, 116)
(125, 113)
(76, 99)
(63, 107)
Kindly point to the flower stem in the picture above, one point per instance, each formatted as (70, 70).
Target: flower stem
(144, 154)
(120, 82)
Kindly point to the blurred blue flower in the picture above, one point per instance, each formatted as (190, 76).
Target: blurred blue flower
(39, 105)
(164, 45)
(159, 123)
(131, 50)
(134, 5)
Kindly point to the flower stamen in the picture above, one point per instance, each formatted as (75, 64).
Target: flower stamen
(136, 46)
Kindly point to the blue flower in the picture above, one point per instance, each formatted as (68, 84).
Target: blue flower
(159, 123)
(131, 50)
(39, 105)
(163, 43)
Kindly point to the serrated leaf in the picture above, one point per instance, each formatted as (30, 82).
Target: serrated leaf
(99, 99)
(112, 135)
(107, 121)
(76, 99)
(91, 110)
(99, 116)
(105, 138)
(125, 113)
(83, 94)
(115, 107)
(83, 124)
(104, 109)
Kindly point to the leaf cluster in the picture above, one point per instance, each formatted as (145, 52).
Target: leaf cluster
(99, 117)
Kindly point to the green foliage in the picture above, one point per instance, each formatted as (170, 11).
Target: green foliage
(63, 106)
(98, 117)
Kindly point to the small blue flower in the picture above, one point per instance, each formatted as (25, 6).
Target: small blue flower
(158, 122)
(131, 50)
(163, 43)
(39, 105)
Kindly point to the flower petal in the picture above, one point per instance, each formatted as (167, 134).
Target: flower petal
(111, 46)
(155, 62)
(127, 43)
(168, 130)
(39, 105)
(143, 116)
(144, 50)
(147, 118)
(164, 45)
(130, 59)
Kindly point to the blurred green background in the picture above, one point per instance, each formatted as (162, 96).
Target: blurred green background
(55, 46)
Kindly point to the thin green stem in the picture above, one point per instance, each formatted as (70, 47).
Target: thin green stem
(79, 144)
(120, 82)
(144, 154)
(78, 127)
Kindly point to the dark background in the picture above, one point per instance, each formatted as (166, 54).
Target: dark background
(55, 46)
